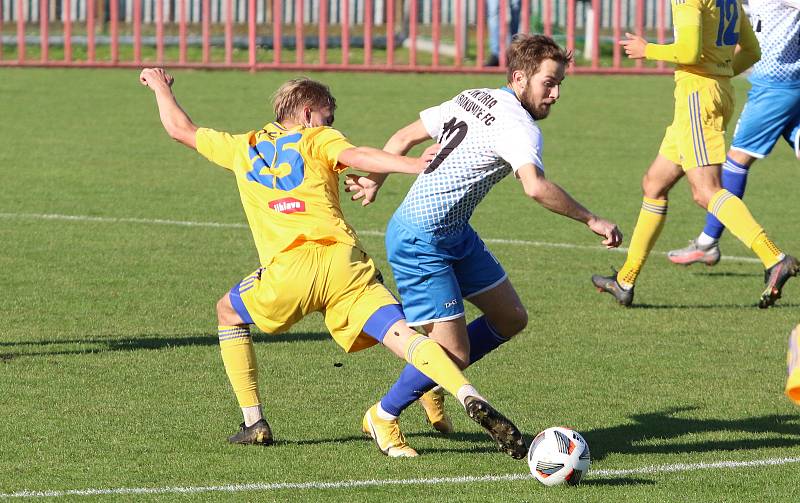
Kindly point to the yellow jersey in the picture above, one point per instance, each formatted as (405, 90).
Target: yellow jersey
(711, 29)
(288, 180)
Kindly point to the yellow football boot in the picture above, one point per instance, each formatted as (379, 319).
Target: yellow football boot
(793, 366)
(386, 434)
(433, 403)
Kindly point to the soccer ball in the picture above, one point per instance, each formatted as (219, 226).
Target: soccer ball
(559, 455)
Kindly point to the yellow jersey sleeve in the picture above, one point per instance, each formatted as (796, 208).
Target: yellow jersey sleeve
(687, 48)
(220, 147)
(327, 144)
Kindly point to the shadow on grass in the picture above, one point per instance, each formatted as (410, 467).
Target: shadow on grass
(663, 425)
(622, 481)
(753, 306)
(55, 347)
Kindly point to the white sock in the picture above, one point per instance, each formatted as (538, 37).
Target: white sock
(252, 415)
(704, 240)
(468, 390)
(385, 415)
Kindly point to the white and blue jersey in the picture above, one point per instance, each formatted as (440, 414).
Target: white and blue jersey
(777, 27)
(436, 257)
(485, 135)
(772, 110)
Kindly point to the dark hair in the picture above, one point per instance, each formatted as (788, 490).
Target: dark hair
(527, 52)
(300, 92)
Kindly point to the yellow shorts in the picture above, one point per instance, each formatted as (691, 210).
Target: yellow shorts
(703, 107)
(340, 281)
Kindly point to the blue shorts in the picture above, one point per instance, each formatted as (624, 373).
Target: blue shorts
(434, 278)
(769, 113)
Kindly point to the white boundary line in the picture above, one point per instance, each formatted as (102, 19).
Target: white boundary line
(185, 223)
(348, 484)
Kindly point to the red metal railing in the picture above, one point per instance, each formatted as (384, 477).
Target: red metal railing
(438, 38)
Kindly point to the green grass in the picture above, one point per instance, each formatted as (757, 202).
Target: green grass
(110, 371)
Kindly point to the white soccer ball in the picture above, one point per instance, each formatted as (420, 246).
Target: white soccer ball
(559, 455)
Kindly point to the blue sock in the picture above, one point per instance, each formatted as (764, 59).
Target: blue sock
(412, 383)
(734, 179)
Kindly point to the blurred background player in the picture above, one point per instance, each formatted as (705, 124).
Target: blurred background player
(793, 366)
(772, 110)
(437, 258)
(493, 22)
(311, 260)
(707, 33)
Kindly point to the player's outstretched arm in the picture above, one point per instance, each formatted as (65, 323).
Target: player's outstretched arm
(687, 48)
(176, 122)
(366, 187)
(373, 160)
(556, 199)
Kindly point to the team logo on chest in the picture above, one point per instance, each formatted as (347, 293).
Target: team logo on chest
(288, 205)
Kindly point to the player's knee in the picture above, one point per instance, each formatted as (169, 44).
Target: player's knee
(226, 314)
(512, 323)
(653, 188)
(702, 196)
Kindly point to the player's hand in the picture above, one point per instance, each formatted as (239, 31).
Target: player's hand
(362, 187)
(634, 46)
(155, 78)
(428, 155)
(606, 229)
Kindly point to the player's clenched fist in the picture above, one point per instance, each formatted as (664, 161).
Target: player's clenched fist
(154, 77)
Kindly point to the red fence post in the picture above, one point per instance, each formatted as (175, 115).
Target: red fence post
(44, 21)
(298, 31)
(480, 34)
(617, 50)
(390, 33)
(137, 32)
(571, 26)
(525, 16)
(114, 15)
(597, 10)
(20, 32)
(660, 28)
(413, 14)
(639, 24)
(345, 32)
(159, 31)
(503, 20)
(206, 13)
(277, 25)
(90, 13)
(181, 31)
(251, 34)
(1, 30)
(436, 32)
(228, 31)
(323, 31)
(548, 18)
(367, 32)
(457, 31)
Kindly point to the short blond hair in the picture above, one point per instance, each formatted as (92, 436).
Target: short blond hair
(300, 92)
(526, 53)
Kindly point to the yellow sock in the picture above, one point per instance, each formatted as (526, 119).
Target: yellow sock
(793, 366)
(429, 358)
(732, 212)
(651, 220)
(239, 358)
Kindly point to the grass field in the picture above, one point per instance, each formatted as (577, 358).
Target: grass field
(116, 243)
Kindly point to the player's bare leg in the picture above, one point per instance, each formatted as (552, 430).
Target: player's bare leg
(422, 351)
(238, 355)
(733, 213)
(659, 179)
(704, 249)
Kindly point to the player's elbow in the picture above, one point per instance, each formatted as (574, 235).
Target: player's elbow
(691, 57)
(182, 133)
